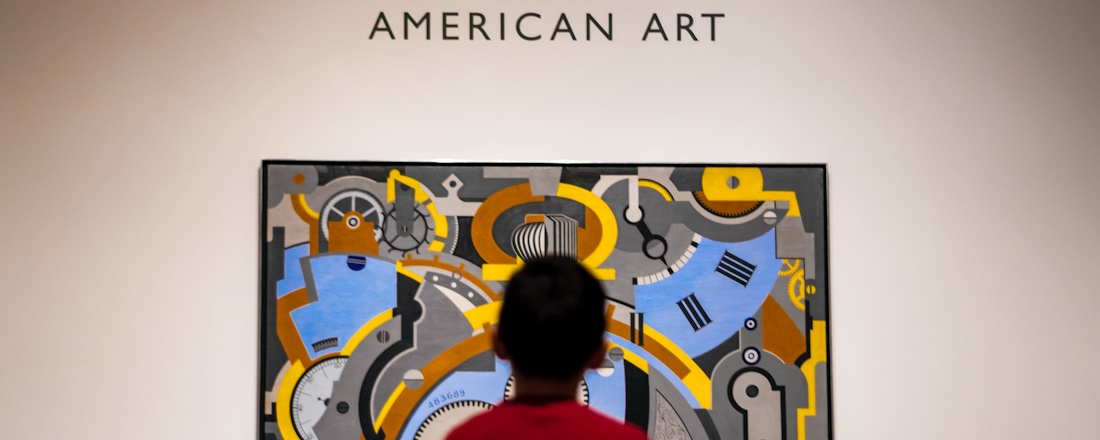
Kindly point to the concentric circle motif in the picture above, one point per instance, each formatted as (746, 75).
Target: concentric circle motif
(751, 355)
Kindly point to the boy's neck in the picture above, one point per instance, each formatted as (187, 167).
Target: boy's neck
(526, 387)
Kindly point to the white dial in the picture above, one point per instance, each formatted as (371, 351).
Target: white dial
(312, 394)
(354, 200)
(440, 422)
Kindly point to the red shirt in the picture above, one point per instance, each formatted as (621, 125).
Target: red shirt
(538, 418)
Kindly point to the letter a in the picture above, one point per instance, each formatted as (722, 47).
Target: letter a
(660, 29)
(385, 26)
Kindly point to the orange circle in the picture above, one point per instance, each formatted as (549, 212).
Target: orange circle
(299, 179)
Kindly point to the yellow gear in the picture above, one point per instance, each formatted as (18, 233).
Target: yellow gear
(727, 209)
(796, 289)
(789, 268)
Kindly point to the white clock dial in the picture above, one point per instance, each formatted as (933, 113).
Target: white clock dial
(362, 202)
(312, 393)
(446, 418)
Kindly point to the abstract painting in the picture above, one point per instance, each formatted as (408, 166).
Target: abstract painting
(381, 281)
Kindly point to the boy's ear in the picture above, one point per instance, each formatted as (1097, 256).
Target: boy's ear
(498, 346)
(596, 361)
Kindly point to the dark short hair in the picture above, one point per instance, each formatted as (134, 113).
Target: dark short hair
(552, 319)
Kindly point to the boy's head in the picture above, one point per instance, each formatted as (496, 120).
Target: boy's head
(552, 320)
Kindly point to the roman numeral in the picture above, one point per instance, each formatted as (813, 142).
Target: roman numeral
(637, 333)
(734, 268)
(694, 312)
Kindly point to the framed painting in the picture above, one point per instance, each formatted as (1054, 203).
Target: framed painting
(380, 282)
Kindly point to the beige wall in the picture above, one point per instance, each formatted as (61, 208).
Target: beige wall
(962, 140)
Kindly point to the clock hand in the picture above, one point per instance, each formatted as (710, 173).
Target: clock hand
(648, 237)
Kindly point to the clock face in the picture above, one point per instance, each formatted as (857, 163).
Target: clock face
(312, 393)
(447, 417)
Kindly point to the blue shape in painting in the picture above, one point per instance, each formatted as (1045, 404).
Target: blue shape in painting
(346, 299)
(292, 270)
(356, 262)
(608, 394)
(726, 302)
(656, 365)
(484, 386)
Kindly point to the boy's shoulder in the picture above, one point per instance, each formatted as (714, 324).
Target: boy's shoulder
(564, 420)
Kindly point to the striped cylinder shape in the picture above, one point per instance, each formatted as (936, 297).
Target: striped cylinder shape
(556, 235)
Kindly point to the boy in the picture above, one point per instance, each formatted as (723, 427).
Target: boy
(551, 330)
